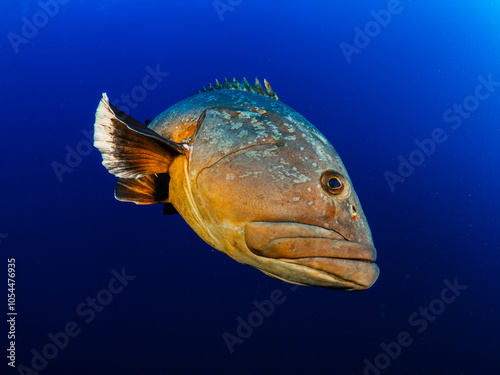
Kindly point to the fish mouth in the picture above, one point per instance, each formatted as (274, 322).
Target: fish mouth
(312, 255)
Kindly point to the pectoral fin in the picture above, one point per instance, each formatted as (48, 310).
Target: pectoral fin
(150, 189)
(130, 149)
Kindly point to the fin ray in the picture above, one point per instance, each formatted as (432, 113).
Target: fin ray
(257, 87)
(149, 189)
(130, 149)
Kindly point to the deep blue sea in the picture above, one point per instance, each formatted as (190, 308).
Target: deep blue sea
(408, 93)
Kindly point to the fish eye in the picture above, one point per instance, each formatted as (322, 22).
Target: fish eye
(333, 183)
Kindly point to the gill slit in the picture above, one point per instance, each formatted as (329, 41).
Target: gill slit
(188, 150)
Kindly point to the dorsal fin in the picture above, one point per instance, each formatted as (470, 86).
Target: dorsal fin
(243, 86)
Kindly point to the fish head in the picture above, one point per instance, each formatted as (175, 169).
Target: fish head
(286, 206)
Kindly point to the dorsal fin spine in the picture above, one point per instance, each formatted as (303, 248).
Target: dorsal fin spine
(268, 87)
(256, 88)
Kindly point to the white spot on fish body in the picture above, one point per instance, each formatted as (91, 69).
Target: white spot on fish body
(245, 115)
(296, 199)
(230, 176)
(255, 174)
(301, 178)
(252, 154)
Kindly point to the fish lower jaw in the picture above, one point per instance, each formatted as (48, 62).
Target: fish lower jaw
(357, 274)
(311, 255)
(334, 275)
(292, 260)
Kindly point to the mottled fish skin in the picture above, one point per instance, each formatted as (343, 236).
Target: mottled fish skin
(250, 184)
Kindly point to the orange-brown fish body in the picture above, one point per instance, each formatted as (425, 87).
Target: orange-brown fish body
(255, 180)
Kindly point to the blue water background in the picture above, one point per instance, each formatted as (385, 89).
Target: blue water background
(68, 233)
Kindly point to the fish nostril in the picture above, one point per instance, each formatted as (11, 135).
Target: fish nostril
(354, 215)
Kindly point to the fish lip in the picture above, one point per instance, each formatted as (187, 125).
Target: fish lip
(313, 255)
(276, 240)
(365, 274)
(368, 256)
